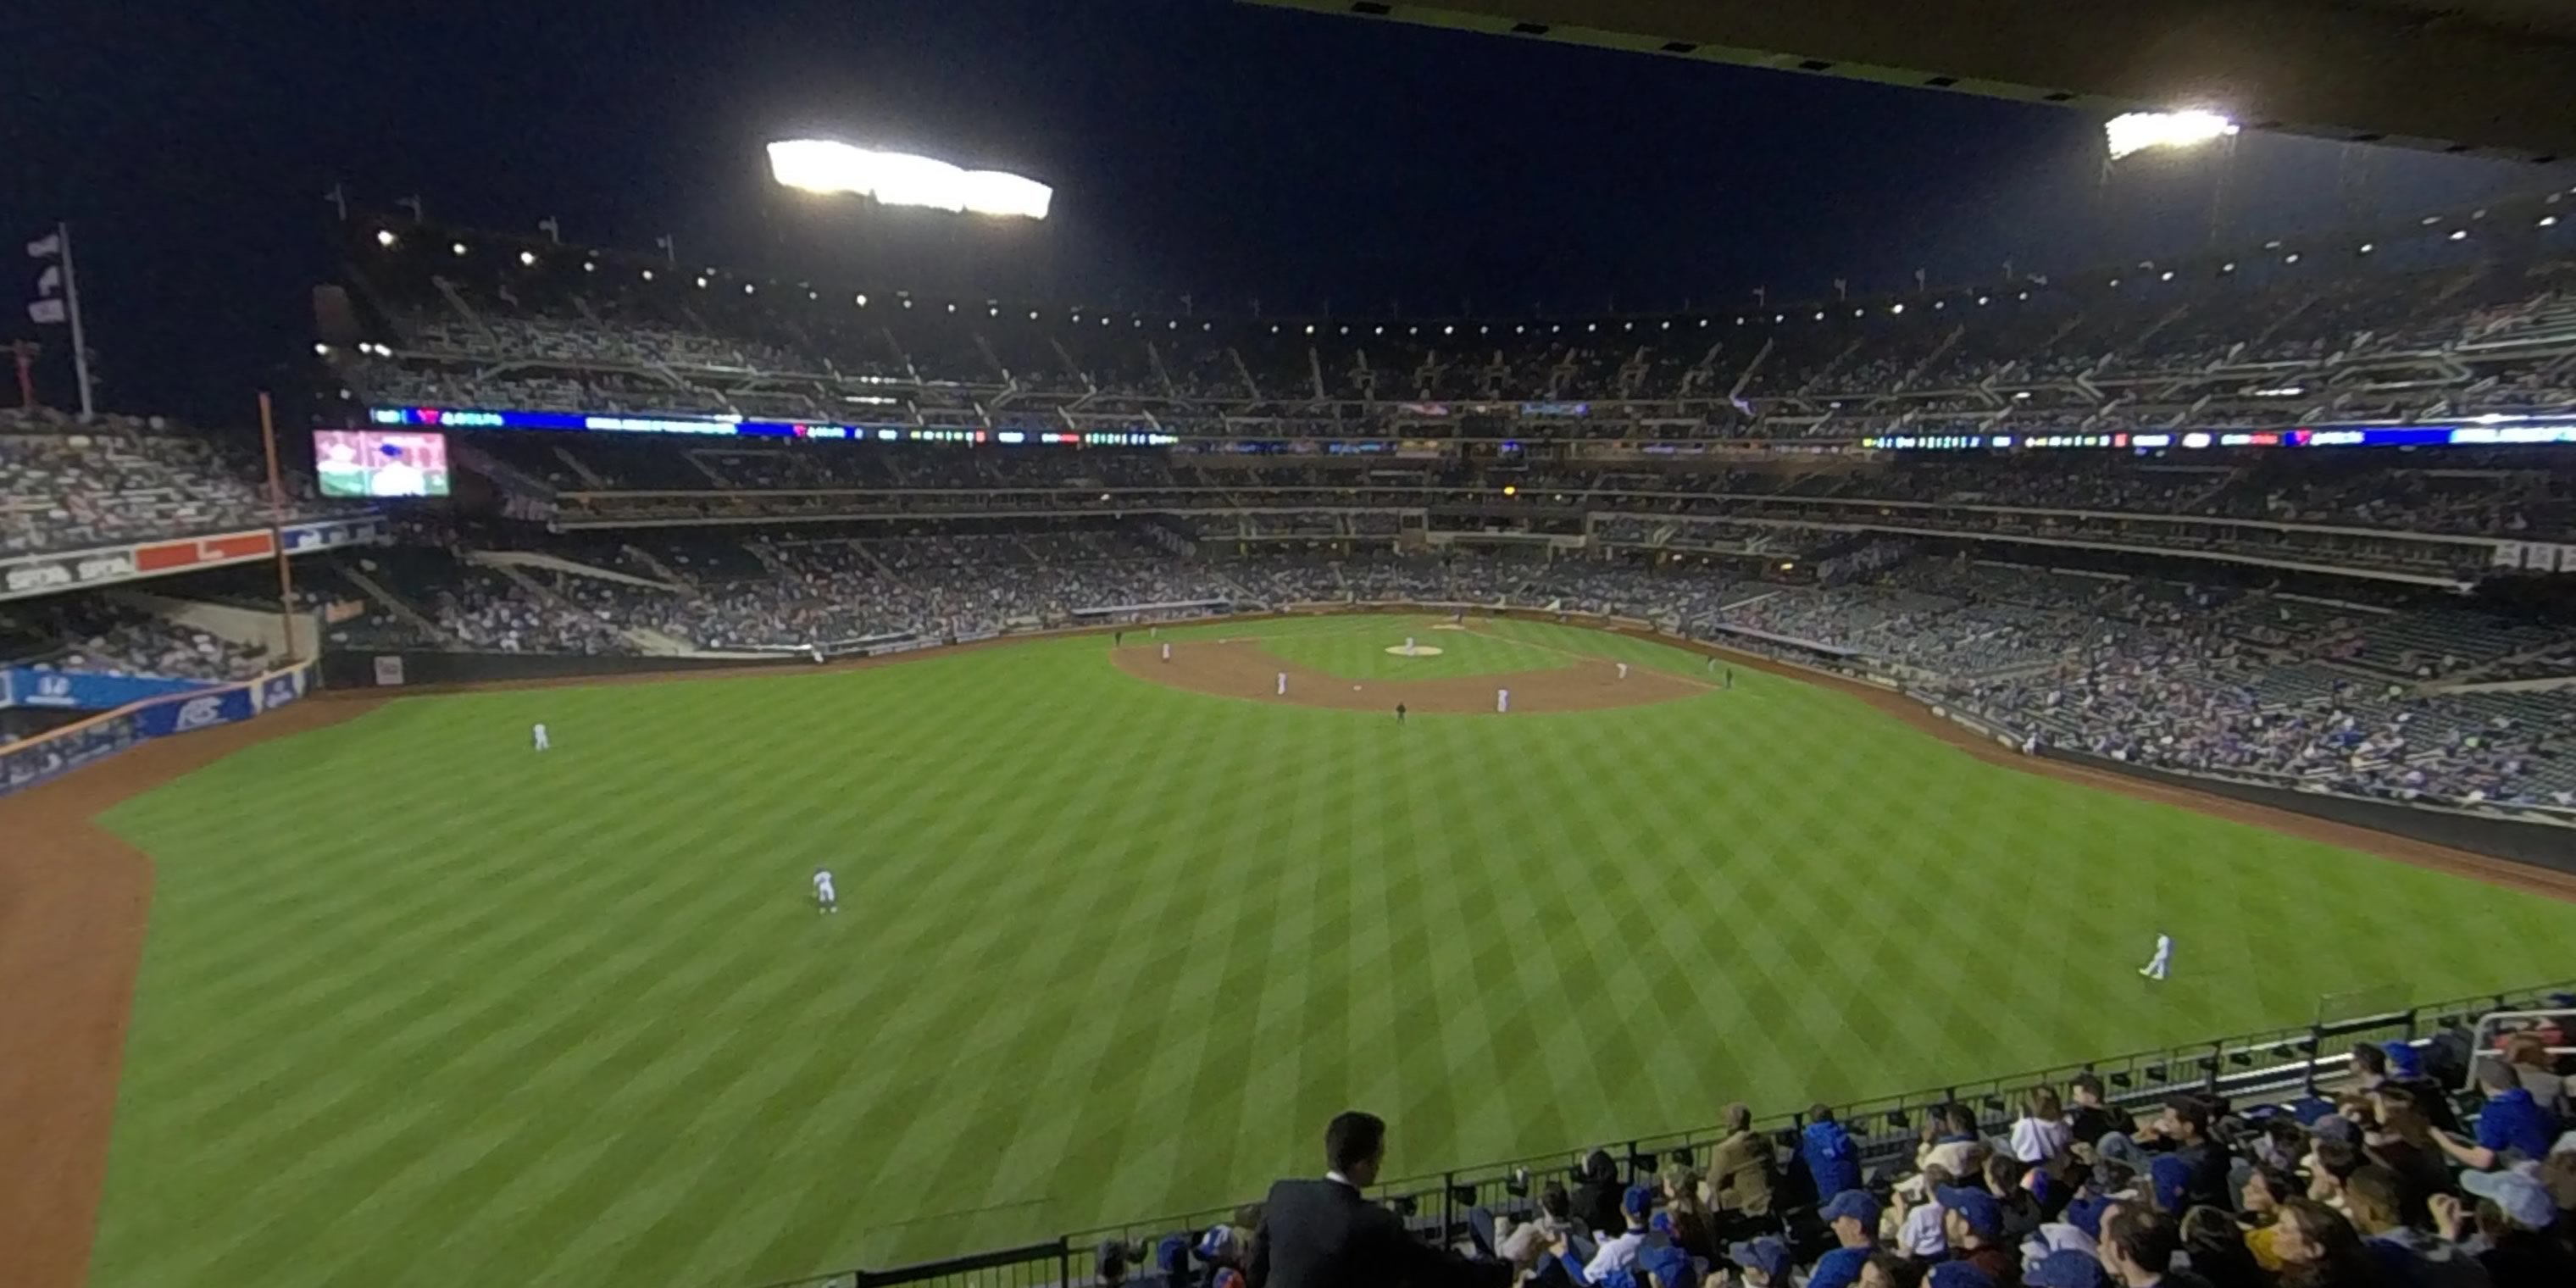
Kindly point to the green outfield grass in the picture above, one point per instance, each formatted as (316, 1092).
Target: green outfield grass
(421, 1007)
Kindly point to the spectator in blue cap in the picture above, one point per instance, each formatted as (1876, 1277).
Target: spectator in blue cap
(1853, 1217)
(2169, 1177)
(2406, 1068)
(1764, 1261)
(2183, 1132)
(1827, 1150)
(2065, 1269)
(2085, 1211)
(1617, 1256)
(1666, 1267)
(1973, 1223)
(2510, 1124)
(1958, 1274)
(2524, 1251)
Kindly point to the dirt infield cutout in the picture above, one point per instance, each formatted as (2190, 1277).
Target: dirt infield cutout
(1242, 668)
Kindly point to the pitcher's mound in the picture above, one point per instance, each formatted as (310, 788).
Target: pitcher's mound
(1414, 650)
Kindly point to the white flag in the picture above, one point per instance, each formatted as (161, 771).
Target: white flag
(45, 247)
(50, 281)
(49, 312)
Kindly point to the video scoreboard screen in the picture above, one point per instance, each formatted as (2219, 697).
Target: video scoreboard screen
(378, 463)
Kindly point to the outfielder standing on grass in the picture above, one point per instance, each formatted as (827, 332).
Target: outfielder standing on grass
(1399, 713)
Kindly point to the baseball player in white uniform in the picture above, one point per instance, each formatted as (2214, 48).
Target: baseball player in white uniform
(1283, 684)
(824, 899)
(1502, 701)
(1623, 670)
(2155, 968)
(539, 735)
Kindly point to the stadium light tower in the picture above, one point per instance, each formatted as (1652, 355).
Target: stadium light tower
(900, 179)
(2134, 132)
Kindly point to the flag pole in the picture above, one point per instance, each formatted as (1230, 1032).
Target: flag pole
(277, 527)
(71, 298)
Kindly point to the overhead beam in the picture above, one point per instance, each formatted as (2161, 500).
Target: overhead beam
(2487, 79)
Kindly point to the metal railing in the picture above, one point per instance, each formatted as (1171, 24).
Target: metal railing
(2274, 1064)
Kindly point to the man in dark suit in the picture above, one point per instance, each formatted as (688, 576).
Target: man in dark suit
(1326, 1234)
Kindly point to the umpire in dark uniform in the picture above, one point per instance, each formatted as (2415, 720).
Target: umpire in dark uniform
(1326, 1234)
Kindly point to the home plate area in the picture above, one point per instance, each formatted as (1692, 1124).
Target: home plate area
(1242, 668)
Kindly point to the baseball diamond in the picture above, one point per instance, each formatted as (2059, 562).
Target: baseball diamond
(1013, 644)
(1109, 948)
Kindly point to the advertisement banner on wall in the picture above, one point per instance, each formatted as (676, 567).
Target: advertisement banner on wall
(29, 575)
(274, 691)
(196, 711)
(84, 691)
(389, 671)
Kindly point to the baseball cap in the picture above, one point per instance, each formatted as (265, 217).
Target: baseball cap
(2524, 1199)
(2084, 1212)
(2404, 1061)
(1766, 1254)
(1219, 1244)
(1668, 1267)
(2171, 1177)
(1638, 1201)
(2065, 1269)
(1984, 1216)
(1856, 1204)
(1959, 1274)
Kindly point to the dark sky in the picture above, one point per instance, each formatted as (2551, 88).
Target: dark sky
(1197, 146)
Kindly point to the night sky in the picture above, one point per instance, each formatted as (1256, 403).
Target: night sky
(1197, 147)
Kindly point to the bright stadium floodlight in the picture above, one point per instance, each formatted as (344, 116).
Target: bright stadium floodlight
(2135, 132)
(900, 179)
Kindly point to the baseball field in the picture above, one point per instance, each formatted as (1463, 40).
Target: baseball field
(418, 1005)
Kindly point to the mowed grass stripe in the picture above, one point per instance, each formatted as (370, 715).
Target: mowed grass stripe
(422, 1007)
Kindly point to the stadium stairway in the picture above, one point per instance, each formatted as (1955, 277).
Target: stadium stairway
(670, 575)
(506, 560)
(396, 605)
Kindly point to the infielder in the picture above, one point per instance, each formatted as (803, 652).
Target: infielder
(539, 735)
(824, 899)
(1623, 670)
(1502, 701)
(1408, 646)
(1283, 684)
(1167, 652)
(2155, 968)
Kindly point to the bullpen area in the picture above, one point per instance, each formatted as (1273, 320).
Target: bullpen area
(419, 1005)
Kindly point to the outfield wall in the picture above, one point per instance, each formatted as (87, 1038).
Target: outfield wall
(2538, 844)
(49, 756)
(369, 669)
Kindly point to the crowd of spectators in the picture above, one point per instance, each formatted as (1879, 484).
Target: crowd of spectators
(97, 637)
(2483, 332)
(67, 485)
(2382, 1178)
